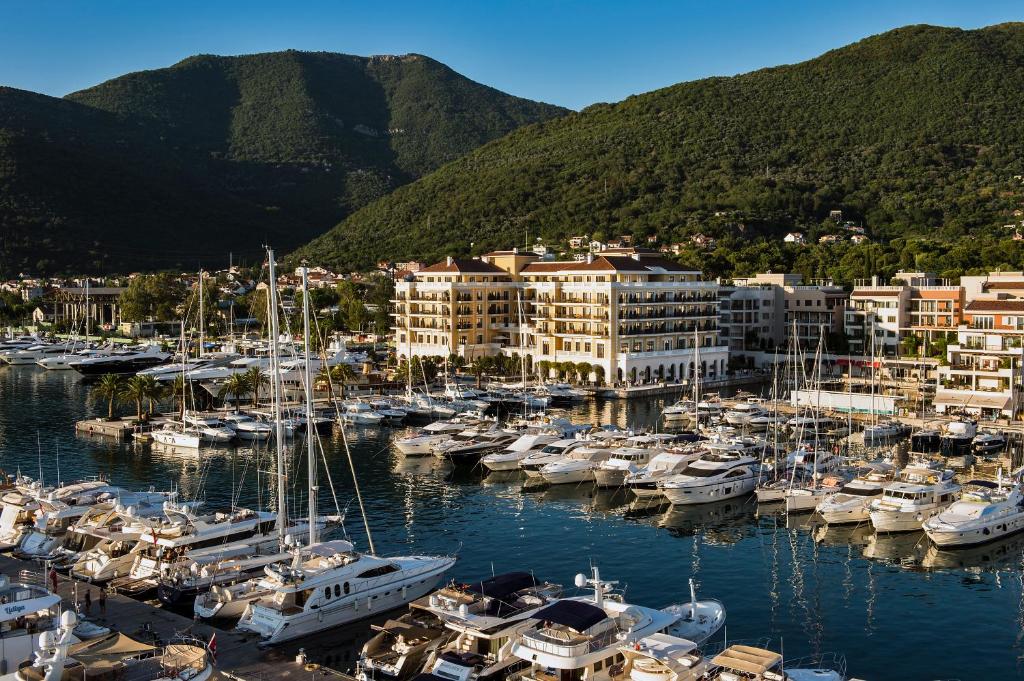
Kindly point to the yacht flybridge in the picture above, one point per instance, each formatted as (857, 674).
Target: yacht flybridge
(329, 584)
(919, 492)
(580, 638)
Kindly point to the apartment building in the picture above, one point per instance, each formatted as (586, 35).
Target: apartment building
(639, 317)
(761, 313)
(914, 303)
(984, 367)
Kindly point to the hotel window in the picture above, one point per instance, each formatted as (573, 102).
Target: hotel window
(600, 350)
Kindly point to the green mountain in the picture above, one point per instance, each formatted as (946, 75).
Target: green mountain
(225, 153)
(915, 131)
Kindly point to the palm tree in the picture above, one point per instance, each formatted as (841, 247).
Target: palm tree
(598, 374)
(109, 389)
(134, 390)
(478, 367)
(255, 380)
(340, 374)
(176, 391)
(153, 390)
(235, 386)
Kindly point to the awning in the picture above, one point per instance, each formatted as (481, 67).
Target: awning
(956, 398)
(747, 659)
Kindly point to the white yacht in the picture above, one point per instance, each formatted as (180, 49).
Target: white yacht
(248, 428)
(660, 657)
(580, 638)
(178, 436)
(34, 353)
(624, 461)
(644, 482)
(743, 663)
(128, 361)
(576, 467)
(361, 413)
(884, 431)
(920, 491)
(19, 508)
(100, 546)
(741, 413)
(483, 617)
(713, 477)
(851, 503)
(28, 611)
(556, 451)
(164, 545)
(335, 585)
(534, 439)
(985, 512)
(210, 428)
(422, 442)
(61, 509)
(470, 451)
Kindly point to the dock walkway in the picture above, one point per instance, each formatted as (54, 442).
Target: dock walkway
(237, 655)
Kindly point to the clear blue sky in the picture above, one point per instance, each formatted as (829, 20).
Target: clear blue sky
(569, 53)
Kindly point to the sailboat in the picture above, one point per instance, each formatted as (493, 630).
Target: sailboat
(171, 435)
(328, 583)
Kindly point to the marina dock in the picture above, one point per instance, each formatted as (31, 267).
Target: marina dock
(237, 655)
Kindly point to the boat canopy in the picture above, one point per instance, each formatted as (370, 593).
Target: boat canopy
(747, 659)
(576, 615)
(503, 586)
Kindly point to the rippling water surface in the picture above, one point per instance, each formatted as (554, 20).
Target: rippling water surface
(894, 607)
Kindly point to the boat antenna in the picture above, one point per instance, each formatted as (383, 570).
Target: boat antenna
(39, 456)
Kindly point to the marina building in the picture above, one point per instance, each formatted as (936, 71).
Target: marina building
(761, 314)
(632, 315)
(101, 305)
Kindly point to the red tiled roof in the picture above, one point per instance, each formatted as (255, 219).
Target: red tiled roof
(1004, 284)
(995, 306)
(463, 265)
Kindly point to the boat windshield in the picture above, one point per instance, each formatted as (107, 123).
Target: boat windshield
(697, 472)
(860, 491)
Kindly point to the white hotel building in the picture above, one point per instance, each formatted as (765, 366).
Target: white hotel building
(636, 315)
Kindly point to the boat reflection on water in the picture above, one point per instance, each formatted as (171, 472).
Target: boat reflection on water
(610, 499)
(720, 522)
(643, 508)
(417, 465)
(510, 478)
(1003, 554)
(906, 549)
(842, 535)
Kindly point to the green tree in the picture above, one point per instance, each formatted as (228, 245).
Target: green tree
(135, 390)
(109, 390)
(340, 375)
(235, 386)
(256, 381)
(598, 374)
(479, 368)
(155, 297)
(583, 369)
(211, 309)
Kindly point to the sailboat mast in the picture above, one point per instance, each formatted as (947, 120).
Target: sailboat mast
(199, 352)
(310, 454)
(282, 510)
(87, 315)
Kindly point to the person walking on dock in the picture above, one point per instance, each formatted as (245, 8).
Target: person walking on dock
(53, 578)
(103, 603)
(88, 600)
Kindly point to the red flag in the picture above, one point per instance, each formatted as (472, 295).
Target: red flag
(212, 647)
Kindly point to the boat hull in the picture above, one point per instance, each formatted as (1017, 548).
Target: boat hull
(890, 520)
(705, 494)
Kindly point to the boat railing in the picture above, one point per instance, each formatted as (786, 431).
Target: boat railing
(539, 641)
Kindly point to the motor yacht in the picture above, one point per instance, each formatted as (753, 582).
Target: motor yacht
(20, 504)
(925, 441)
(127, 361)
(578, 466)
(228, 602)
(483, 617)
(986, 511)
(533, 439)
(644, 482)
(329, 584)
(660, 657)
(920, 491)
(222, 565)
(361, 413)
(29, 611)
(957, 437)
(712, 477)
(34, 353)
(557, 450)
(804, 498)
(100, 547)
(623, 462)
(422, 441)
(62, 508)
(884, 432)
(580, 638)
(741, 413)
(248, 428)
(742, 663)
(163, 546)
(988, 442)
(469, 451)
(851, 502)
(210, 428)
(683, 410)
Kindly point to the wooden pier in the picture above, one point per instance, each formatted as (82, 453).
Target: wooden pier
(118, 429)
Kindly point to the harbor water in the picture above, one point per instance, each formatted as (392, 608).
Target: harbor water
(895, 607)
